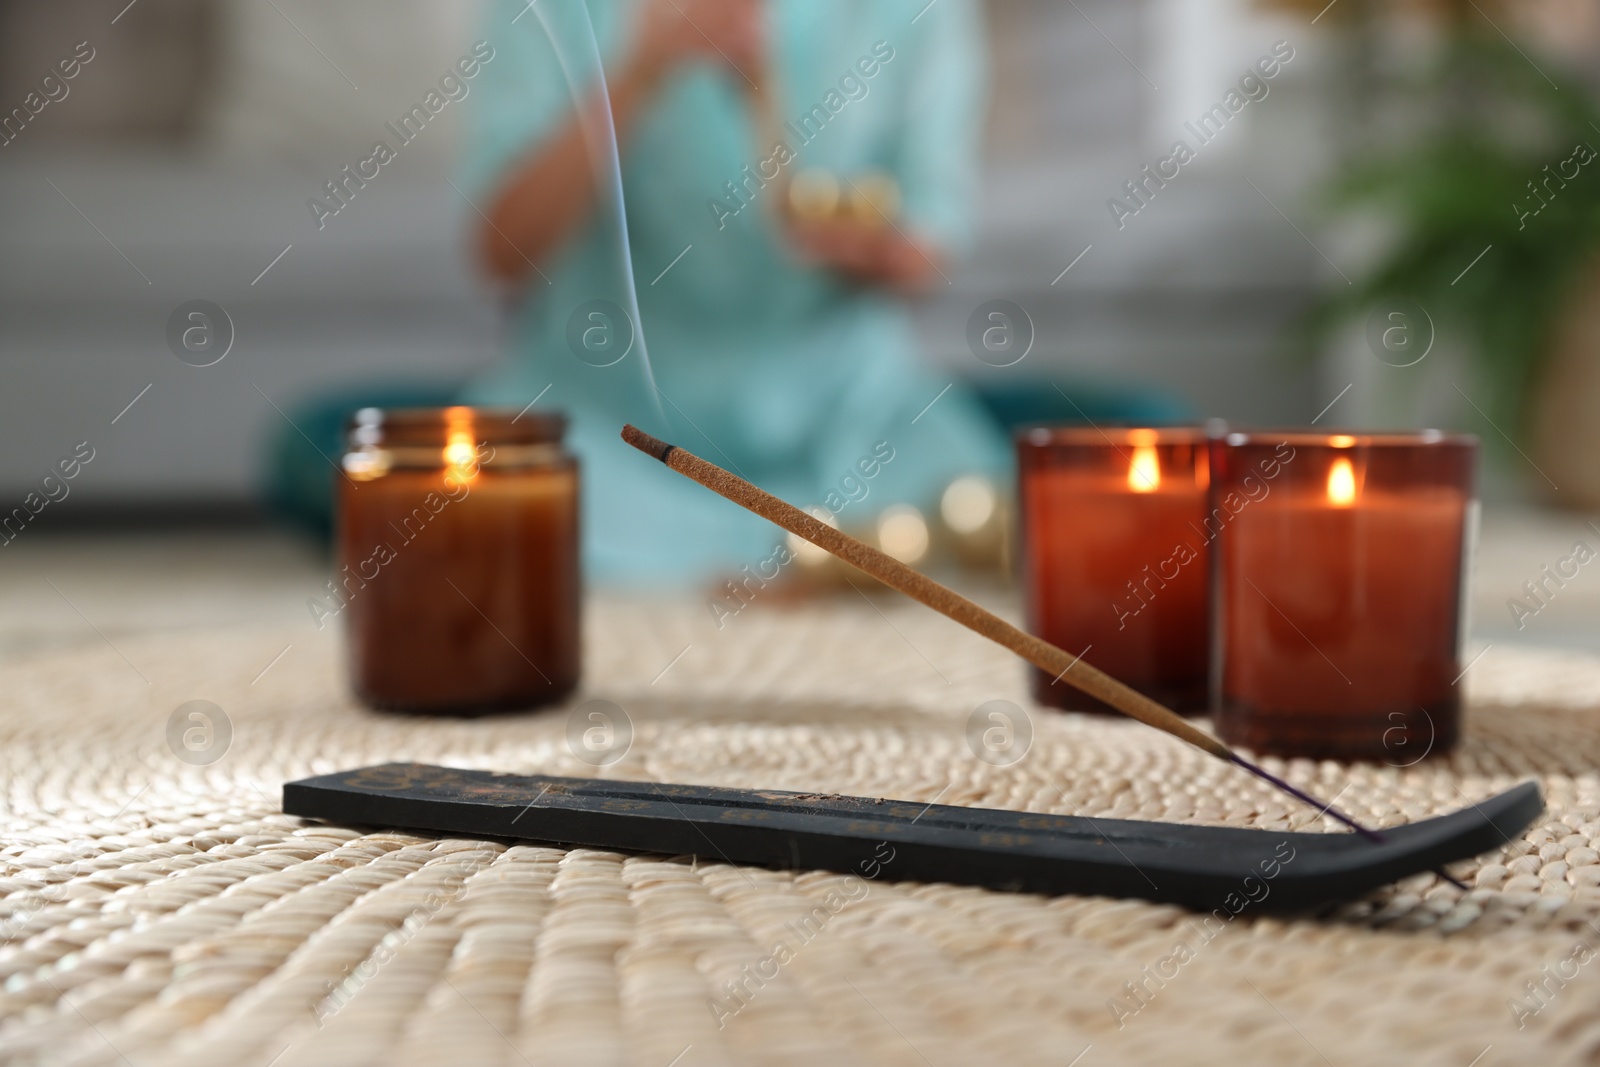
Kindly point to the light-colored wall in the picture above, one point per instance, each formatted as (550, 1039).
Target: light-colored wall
(134, 195)
(1194, 293)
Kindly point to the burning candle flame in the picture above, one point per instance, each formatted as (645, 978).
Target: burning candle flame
(1144, 472)
(1341, 483)
(460, 454)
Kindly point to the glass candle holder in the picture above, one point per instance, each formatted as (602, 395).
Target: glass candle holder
(1113, 557)
(458, 572)
(1340, 561)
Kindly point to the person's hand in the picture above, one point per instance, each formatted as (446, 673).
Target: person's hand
(865, 251)
(671, 33)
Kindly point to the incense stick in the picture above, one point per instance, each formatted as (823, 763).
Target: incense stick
(1063, 665)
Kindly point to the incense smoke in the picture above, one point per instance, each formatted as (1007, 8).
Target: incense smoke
(580, 44)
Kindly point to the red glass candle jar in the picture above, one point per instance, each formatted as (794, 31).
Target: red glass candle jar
(1340, 562)
(1113, 558)
(458, 560)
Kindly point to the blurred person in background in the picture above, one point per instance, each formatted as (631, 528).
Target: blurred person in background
(781, 345)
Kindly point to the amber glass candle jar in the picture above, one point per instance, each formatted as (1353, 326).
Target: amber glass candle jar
(458, 559)
(1113, 557)
(1340, 567)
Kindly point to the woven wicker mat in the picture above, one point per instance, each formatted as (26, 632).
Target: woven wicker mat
(159, 912)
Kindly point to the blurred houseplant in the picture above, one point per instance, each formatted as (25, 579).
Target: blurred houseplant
(1491, 153)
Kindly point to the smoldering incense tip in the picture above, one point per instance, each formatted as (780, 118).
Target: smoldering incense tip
(645, 443)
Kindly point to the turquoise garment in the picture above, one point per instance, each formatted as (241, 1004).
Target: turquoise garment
(784, 373)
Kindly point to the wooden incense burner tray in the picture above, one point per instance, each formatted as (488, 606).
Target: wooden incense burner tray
(1202, 867)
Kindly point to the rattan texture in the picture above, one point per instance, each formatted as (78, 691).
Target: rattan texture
(162, 912)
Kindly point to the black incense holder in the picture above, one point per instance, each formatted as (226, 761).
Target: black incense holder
(1202, 867)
